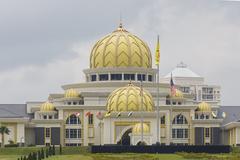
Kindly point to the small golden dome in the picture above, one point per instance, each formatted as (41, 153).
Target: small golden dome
(128, 98)
(178, 94)
(120, 49)
(137, 128)
(71, 93)
(47, 107)
(204, 107)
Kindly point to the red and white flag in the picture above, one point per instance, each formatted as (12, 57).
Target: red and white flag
(87, 114)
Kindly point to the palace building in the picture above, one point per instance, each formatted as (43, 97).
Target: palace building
(117, 104)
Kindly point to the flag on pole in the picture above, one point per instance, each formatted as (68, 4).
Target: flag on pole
(87, 114)
(100, 116)
(130, 114)
(157, 53)
(172, 87)
(77, 114)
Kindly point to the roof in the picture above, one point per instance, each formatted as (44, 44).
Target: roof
(232, 113)
(13, 111)
(182, 71)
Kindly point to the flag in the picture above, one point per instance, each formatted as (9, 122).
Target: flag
(172, 87)
(77, 114)
(157, 54)
(87, 114)
(119, 114)
(130, 113)
(108, 114)
(99, 115)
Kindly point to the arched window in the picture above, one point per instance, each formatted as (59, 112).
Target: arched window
(73, 119)
(180, 119)
(202, 116)
(163, 120)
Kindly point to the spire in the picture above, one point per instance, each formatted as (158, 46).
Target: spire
(120, 21)
(120, 27)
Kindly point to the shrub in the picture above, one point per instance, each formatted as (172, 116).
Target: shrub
(42, 153)
(11, 145)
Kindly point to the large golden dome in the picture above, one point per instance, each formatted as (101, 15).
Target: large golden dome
(204, 107)
(71, 93)
(47, 107)
(137, 128)
(120, 49)
(128, 98)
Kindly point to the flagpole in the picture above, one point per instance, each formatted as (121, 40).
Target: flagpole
(157, 56)
(158, 109)
(141, 110)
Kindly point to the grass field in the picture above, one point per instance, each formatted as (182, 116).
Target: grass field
(105, 157)
(81, 153)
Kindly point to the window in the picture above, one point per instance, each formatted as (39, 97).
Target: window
(81, 101)
(207, 90)
(207, 93)
(207, 116)
(180, 119)
(73, 119)
(116, 76)
(74, 103)
(180, 133)
(141, 77)
(163, 120)
(129, 76)
(45, 117)
(185, 89)
(93, 77)
(150, 78)
(49, 117)
(196, 116)
(103, 77)
(90, 119)
(202, 116)
(69, 103)
(47, 132)
(207, 132)
(73, 133)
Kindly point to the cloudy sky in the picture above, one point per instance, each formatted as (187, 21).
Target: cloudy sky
(45, 44)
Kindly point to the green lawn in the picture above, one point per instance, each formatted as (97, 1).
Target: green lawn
(105, 157)
(82, 153)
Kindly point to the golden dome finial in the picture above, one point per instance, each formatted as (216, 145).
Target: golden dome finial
(120, 27)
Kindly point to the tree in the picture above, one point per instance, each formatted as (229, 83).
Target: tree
(30, 156)
(34, 156)
(4, 130)
(53, 153)
(50, 151)
(47, 153)
(42, 153)
(60, 149)
(39, 155)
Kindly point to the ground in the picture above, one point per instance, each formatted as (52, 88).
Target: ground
(81, 153)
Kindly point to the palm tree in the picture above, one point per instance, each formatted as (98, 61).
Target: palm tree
(4, 130)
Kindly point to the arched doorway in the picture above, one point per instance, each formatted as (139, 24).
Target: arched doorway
(125, 140)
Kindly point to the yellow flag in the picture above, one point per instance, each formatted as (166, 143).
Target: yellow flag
(157, 54)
